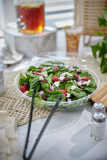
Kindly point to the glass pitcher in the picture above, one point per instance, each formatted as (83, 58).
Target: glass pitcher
(30, 16)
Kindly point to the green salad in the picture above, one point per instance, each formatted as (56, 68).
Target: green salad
(51, 79)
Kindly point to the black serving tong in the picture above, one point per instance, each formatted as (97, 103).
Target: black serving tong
(42, 130)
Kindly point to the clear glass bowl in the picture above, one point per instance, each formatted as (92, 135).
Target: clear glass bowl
(63, 105)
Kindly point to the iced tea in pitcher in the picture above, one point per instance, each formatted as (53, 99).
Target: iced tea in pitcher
(30, 15)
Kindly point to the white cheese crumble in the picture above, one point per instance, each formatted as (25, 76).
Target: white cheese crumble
(44, 74)
(61, 78)
(26, 92)
(71, 69)
(73, 87)
(68, 95)
(86, 82)
(56, 84)
(68, 74)
(41, 78)
(74, 81)
(79, 83)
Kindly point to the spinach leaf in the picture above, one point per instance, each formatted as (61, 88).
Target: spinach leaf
(75, 67)
(68, 85)
(45, 86)
(46, 65)
(30, 75)
(35, 83)
(56, 74)
(84, 73)
(59, 62)
(92, 83)
(32, 68)
(63, 69)
(49, 62)
(89, 89)
(22, 79)
(49, 78)
(53, 96)
(78, 93)
(37, 95)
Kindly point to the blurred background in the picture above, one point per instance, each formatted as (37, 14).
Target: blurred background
(57, 12)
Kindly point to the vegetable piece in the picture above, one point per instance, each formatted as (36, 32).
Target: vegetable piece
(48, 90)
(84, 73)
(53, 96)
(41, 92)
(75, 67)
(44, 86)
(23, 88)
(32, 68)
(55, 78)
(29, 75)
(51, 88)
(40, 69)
(35, 83)
(35, 73)
(64, 91)
(85, 79)
(63, 69)
(25, 84)
(22, 79)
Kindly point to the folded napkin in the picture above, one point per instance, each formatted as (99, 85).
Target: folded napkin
(9, 146)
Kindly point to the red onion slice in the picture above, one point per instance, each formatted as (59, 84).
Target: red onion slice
(41, 92)
(51, 88)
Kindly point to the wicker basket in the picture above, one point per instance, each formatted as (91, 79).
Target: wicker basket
(86, 15)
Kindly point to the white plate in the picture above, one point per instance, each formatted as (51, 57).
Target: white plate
(16, 57)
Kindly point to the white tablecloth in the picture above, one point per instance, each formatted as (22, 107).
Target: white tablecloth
(67, 137)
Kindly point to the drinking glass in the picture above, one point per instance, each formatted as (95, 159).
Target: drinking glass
(72, 38)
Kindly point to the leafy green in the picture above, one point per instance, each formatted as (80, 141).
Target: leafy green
(75, 67)
(102, 22)
(95, 48)
(53, 96)
(105, 14)
(89, 89)
(84, 73)
(59, 62)
(101, 47)
(98, 33)
(32, 68)
(45, 86)
(35, 83)
(46, 65)
(103, 65)
(37, 95)
(68, 85)
(63, 69)
(49, 78)
(78, 93)
(49, 62)
(56, 74)
(22, 79)
(28, 74)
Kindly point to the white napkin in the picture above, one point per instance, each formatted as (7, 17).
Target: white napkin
(9, 146)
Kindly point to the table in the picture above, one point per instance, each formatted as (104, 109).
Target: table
(70, 141)
(67, 136)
